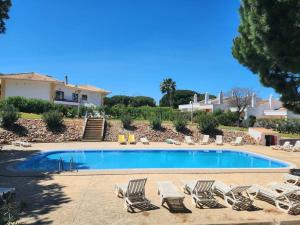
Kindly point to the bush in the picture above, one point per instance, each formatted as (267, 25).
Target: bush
(249, 122)
(281, 125)
(228, 118)
(126, 120)
(8, 115)
(207, 124)
(53, 119)
(155, 122)
(180, 122)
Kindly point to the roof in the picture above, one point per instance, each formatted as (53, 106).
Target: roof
(263, 130)
(28, 76)
(92, 88)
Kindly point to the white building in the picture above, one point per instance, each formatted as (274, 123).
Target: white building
(33, 85)
(260, 108)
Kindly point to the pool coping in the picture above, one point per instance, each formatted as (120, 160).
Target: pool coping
(160, 170)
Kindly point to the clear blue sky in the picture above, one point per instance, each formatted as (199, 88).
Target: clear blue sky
(128, 46)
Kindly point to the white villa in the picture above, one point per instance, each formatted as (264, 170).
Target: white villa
(260, 108)
(34, 85)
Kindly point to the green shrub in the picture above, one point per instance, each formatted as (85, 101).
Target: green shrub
(8, 115)
(180, 121)
(228, 118)
(126, 120)
(291, 126)
(155, 122)
(207, 123)
(71, 112)
(53, 119)
(249, 122)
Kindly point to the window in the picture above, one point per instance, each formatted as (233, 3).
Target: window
(75, 97)
(59, 95)
(84, 97)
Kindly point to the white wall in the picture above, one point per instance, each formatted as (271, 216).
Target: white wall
(28, 89)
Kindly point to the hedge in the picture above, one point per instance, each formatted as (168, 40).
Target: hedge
(291, 126)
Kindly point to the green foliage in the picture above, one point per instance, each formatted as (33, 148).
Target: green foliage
(249, 122)
(8, 115)
(155, 121)
(268, 44)
(10, 210)
(291, 126)
(4, 8)
(126, 120)
(181, 97)
(228, 118)
(180, 122)
(53, 119)
(207, 124)
(168, 86)
(136, 101)
(144, 112)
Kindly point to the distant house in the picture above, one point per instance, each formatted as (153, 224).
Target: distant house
(260, 108)
(34, 85)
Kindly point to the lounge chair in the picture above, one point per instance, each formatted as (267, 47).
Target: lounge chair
(122, 139)
(201, 192)
(205, 140)
(25, 144)
(171, 141)
(233, 195)
(296, 147)
(144, 140)
(286, 145)
(169, 194)
(219, 140)
(16, 143)
(188, 140)
(238, 141)
(133, 193)
(291, 179)
(279, 187)
(131, 139)
(284, 201)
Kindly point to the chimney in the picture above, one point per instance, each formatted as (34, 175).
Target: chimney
(206, 98)
(195, 98)
(66, 80)
(253, 100)
(270, 101)
(221, 97)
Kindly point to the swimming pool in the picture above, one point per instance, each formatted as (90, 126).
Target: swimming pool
(147, 159)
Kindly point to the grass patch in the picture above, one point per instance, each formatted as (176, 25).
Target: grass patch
(233, 128)
(30, 116)
(285, 135)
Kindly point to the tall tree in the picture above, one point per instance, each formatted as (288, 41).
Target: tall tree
(4, 8)
(269, 45)
(240, 99)
(168, 86)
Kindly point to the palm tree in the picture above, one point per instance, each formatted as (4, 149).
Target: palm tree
(168, 86)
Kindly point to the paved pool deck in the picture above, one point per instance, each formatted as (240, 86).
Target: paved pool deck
(89, 198)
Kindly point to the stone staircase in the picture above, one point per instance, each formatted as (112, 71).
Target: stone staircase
(94, 129)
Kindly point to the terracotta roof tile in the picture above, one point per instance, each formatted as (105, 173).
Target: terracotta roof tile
(28, 76)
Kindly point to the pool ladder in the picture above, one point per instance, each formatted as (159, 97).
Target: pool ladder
(61, 165)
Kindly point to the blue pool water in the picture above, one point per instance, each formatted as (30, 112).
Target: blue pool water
(139, 159)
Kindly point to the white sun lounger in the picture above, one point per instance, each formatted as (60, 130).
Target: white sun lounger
(144, 140)
(296, 147)
(238, 141)
(233, 195)
(133, 193)
(169, 193)
(21, 143)
(291, 179)
(219, 140)
(188, 140)
(205, 140)
(171, 141)
(279, 187)
(286, 145)
(201, 192)
(283, 201)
